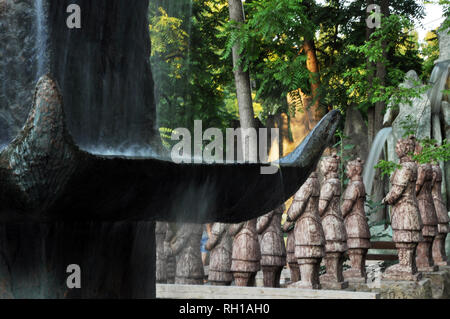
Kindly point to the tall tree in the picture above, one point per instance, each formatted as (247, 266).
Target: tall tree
(242, 81)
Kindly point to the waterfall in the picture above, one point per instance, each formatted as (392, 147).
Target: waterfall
(374, 155)
(438, 80)
(41, 38)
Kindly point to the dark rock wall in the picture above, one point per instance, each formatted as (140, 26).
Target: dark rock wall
(104, 71)
(17, 65)
(117, 260)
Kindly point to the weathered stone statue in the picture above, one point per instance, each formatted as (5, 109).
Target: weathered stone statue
(424, 258)
(246, 253)
(288, 227)
(161, 258)
(171, 262)
(333, 225)
(273, 251)
(309, 235)
(220, 246)
(358, 232)
(405, 216)
(187, 251)
(439, 255)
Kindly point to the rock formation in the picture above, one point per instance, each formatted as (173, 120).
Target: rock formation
(246, 255)
(309, 235)
(273, 251)
(220, 246)
(17, 65)
(333, 224)
(405, 216)
(358, 232)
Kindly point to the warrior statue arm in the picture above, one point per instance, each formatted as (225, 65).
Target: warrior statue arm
(212, 242)
(394, 194)
(346, 207)
(421, 174)
(235, 228)
(298, 206)
(350, 197)
(435, 177)
(326, 194)
(264, 222)
(285, 227)
(181, 241)
(215, 235)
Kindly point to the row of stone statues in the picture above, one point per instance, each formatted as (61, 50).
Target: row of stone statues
(320, 225)
(419, 220)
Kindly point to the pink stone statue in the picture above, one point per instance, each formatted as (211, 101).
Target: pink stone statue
(309, 235)
(186, 248)
(161, 258)
(424, 258)
(333, 225)
(288, 227)
(170, 257)
(405, 216)
(273, 251)
(246, 254)
(439, 255)
(220, 245)
(358, 232)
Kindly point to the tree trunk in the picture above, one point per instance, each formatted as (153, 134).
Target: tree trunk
(371, 110)
(312, 64)
(243, 88)
(377, 123)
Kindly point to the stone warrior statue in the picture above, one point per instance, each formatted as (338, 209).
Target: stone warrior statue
(358, 232)
(333, 225)
(309, 235)
(171, 263)
(220, 244)
(439, 255)
(246, 254)
(273, 251)
(288, 227)
(187, 251)
(161, 258)
(424, 258)
(405, 216)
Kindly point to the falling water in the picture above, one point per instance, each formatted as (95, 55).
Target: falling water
(438, 79)
(374, 155)
(41, 38)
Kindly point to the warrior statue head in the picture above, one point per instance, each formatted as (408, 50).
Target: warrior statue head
(405, 147)
(330, 165)
(355, 168)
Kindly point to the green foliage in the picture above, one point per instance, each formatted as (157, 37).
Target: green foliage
(387, 167)
(191, 79)
(269, 43)
(192, 42)
(430, 50)
(366, 90)
(432, 152)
